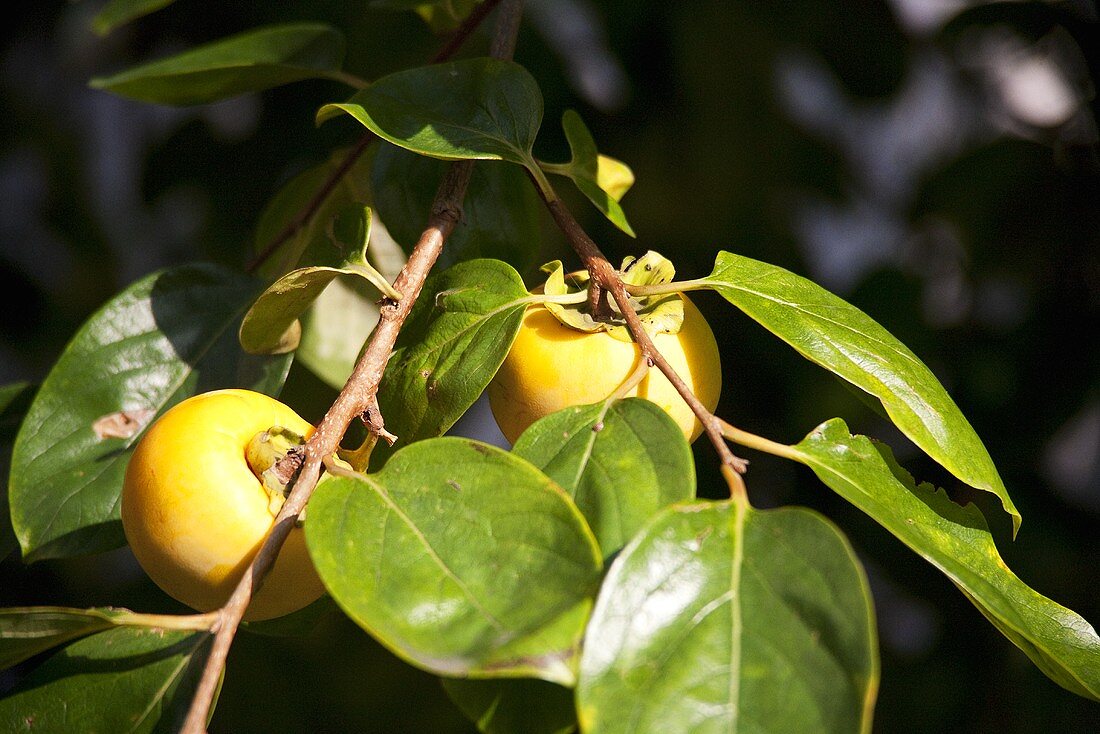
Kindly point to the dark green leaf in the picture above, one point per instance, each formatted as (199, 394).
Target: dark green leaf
(125, 679)
(171, 335)
(500, 214)
(310, 244)
(602, 179)
(455, 339)
(474, 108)
(248, 62)
(120, 12)
(295, 624)
(519, 706)
(721, 618)
(956, 540)
(838, 336)
(443, 16)
(621, 462)
(15, 400)
(25, 632)
(461, 558)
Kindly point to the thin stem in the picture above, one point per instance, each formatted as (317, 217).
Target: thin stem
(347, 78)
(453, 44)
(359, 393)
(662, 289)
(194, 622)
(752, 441)
(633, 379)
(601, 271)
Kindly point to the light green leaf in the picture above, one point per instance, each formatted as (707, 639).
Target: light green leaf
(620, 461)
(248, 62)
(461, 558)
(120, 12)
(500, 214)
(838, 336)
(271, 326)
(171, 335)
(442, 16)
(517, 706)
(15, 400)
(470, 109)
(604, 180)
(124, 679)
(455, 339)
(721, 618)
(956, 540)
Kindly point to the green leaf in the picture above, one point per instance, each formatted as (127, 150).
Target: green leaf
(271, 326)
(120, 12)
(295, 624)
(500, 214)
(518, 706)
(838, 336)
(604, 180)
(248, 62)
(455, 339)
(470, 109)
(121, 680)
(620, 461)
(15, 400)
(721, 618)
(310, 243)
(461, 558)
(171, 335)
(957, 541)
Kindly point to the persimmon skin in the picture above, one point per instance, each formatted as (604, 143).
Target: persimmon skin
(195, 514)
(552, 366)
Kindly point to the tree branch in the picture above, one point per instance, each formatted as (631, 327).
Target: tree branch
(358, 395)
(604, 273)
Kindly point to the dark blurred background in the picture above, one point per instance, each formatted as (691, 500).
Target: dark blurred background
(932, 161)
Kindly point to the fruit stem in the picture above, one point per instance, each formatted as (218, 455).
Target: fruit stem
(265, 453)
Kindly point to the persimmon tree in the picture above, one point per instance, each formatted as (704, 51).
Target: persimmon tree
(575, 581)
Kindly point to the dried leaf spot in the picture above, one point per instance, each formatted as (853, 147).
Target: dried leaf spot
(454, 485)
(123, 424)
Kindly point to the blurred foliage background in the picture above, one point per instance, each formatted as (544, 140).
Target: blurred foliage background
(933, 161)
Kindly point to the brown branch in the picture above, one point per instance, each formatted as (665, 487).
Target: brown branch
(359, 394)
(604, 273)
(453, 44)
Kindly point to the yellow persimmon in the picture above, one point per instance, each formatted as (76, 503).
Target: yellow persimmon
(195, 512)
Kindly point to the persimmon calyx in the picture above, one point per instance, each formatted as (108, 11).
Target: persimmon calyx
(661, 314)
(264, 453)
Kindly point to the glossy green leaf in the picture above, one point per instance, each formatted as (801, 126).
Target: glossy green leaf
(604, 180)
(461, 558)
(620, 461)
(455, 339)
(248, 62)
(271, 325)
(838, 336)
(518, 706)
(124, 679)
(171, 335)
(15, 400)
(957, 541)
(721, 618)
(471, 109)
(500, 214)
(120, 12)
